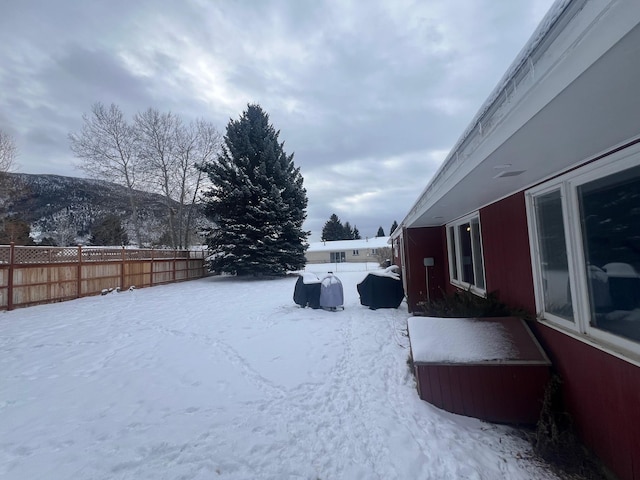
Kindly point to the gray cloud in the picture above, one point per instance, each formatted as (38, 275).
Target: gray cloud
(369, 95)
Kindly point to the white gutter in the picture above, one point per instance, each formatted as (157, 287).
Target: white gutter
(560, 14)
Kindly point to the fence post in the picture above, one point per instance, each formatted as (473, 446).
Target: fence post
(10, 279)
(79, 273)
(151, 274)
(122, 285)
(175, 260)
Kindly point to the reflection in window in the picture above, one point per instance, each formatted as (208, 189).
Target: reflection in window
(464, 245)
(553, 255)
(466, 254)
(610, 219)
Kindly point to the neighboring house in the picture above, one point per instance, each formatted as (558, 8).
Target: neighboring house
(340, 251)
(540, 201)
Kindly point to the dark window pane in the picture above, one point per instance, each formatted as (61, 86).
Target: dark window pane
(610, 218)
(466, 254)
(552, 248)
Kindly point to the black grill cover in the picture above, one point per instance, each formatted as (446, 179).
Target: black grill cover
(377, 291)
(307, 294)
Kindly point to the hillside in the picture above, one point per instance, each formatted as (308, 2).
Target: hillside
(52, 204)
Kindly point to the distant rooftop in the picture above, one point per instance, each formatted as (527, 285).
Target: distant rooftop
(338, 245)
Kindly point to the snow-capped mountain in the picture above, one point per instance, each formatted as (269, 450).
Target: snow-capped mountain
(49, 203)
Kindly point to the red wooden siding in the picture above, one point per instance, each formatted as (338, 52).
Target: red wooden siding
(505, 245)
(420, 243)
(602, 393)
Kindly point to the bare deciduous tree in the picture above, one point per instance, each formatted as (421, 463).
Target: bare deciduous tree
(65, 228)
(172, 151)
(157, 138)
(8, 155)
(196, 144)
(8, 152)
(107, 145)
(384, 255)
(157, 151)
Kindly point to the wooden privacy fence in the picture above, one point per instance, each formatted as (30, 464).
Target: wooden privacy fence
(34, 275)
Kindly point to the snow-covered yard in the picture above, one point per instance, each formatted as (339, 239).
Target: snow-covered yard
(223, 378)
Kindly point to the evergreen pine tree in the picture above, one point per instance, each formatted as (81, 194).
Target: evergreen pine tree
(348, 232)
(380, 232)
(356, 233)
(394, 225)
(333, 229)
(17, 231)
(109, 231)
(257, 201)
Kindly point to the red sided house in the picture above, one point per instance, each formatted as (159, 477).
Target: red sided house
(539, 201)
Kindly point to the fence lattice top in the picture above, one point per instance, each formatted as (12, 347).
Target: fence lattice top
(35, 255)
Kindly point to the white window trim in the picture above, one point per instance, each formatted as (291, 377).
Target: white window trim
(568, 184)
(453, 248)
(535, 253)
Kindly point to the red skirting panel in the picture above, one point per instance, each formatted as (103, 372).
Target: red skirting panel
(492, 369)
(496, 393)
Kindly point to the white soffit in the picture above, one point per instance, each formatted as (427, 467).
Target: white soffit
(582, 89)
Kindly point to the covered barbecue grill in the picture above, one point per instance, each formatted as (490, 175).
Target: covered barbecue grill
(307, 290)
(382, 289)
(331, 293)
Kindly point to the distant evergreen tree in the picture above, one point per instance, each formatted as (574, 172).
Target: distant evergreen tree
(394, 225)
(109, 231)
(348, 232)
(380, 232)
(333, 229)
(356, 233)
(257, 201)
(16, 231)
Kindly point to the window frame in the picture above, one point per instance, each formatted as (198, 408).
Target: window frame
(536, 257)
(568, 184)
(454, 254)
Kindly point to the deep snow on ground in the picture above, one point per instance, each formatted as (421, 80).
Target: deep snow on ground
(222, 378)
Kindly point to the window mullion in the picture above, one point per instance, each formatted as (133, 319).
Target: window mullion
(535, 254)
(456, 235)
(576, 257)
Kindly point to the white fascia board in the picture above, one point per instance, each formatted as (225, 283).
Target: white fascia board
(588, 35)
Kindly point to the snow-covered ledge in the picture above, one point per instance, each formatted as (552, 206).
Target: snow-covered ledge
(489, 368)
(465, 340)
(473, 340)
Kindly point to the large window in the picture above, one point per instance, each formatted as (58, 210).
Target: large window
(585, 239)
(464, 244)
(338, 257)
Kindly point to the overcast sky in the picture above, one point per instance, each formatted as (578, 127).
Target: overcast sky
(370, 95)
